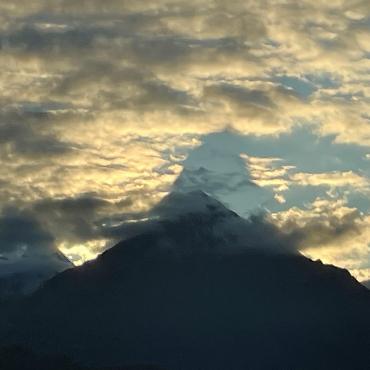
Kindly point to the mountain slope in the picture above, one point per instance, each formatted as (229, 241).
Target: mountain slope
(180, 296)
(366, 283)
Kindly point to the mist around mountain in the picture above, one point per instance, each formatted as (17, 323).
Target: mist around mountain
(198, 287)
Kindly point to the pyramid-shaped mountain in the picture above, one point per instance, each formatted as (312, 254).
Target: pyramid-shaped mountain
(200, 288)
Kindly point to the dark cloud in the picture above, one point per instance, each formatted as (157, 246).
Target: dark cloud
(82, 205)
(330, 229)
(24, 134)
(20, 229)
(157, 95)
(102, 73)
(240, 96)
(160, 51)
(88, 218)
(31, 40)
(73, 219)
(39, 227)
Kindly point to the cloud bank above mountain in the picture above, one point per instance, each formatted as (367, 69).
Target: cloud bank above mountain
(102, 102)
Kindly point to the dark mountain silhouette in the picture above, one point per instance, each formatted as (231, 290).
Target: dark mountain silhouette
(18, 358)
(200, 288)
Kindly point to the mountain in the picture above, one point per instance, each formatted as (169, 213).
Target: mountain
(23, 274)
(230, 182)
(212, 226)
(18, 358)
(199, 288)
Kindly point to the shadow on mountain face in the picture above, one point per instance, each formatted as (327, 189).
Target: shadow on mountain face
(178, 296)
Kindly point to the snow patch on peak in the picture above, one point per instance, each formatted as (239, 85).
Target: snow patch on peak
(194, 221)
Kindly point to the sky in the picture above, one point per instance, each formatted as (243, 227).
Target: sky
(106, 106)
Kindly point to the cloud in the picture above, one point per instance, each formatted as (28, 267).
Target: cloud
(108, 98)
(332, 179)
(211, 64)
(272, 172)
(211, 182)
(329, 230)
(19, 231)
(28, 252)
(20, 135)
(267, 172)
(322, 222)
(77, 216)
(184, 69)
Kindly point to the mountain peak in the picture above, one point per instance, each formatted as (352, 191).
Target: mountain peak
(178, 203)
(194, 221)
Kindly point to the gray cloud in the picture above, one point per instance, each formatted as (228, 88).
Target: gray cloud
(240, 96)
(20, 230)
(74, 219)
(25, 135)
(319, 232)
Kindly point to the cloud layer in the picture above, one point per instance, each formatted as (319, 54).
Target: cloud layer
(102, 101)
